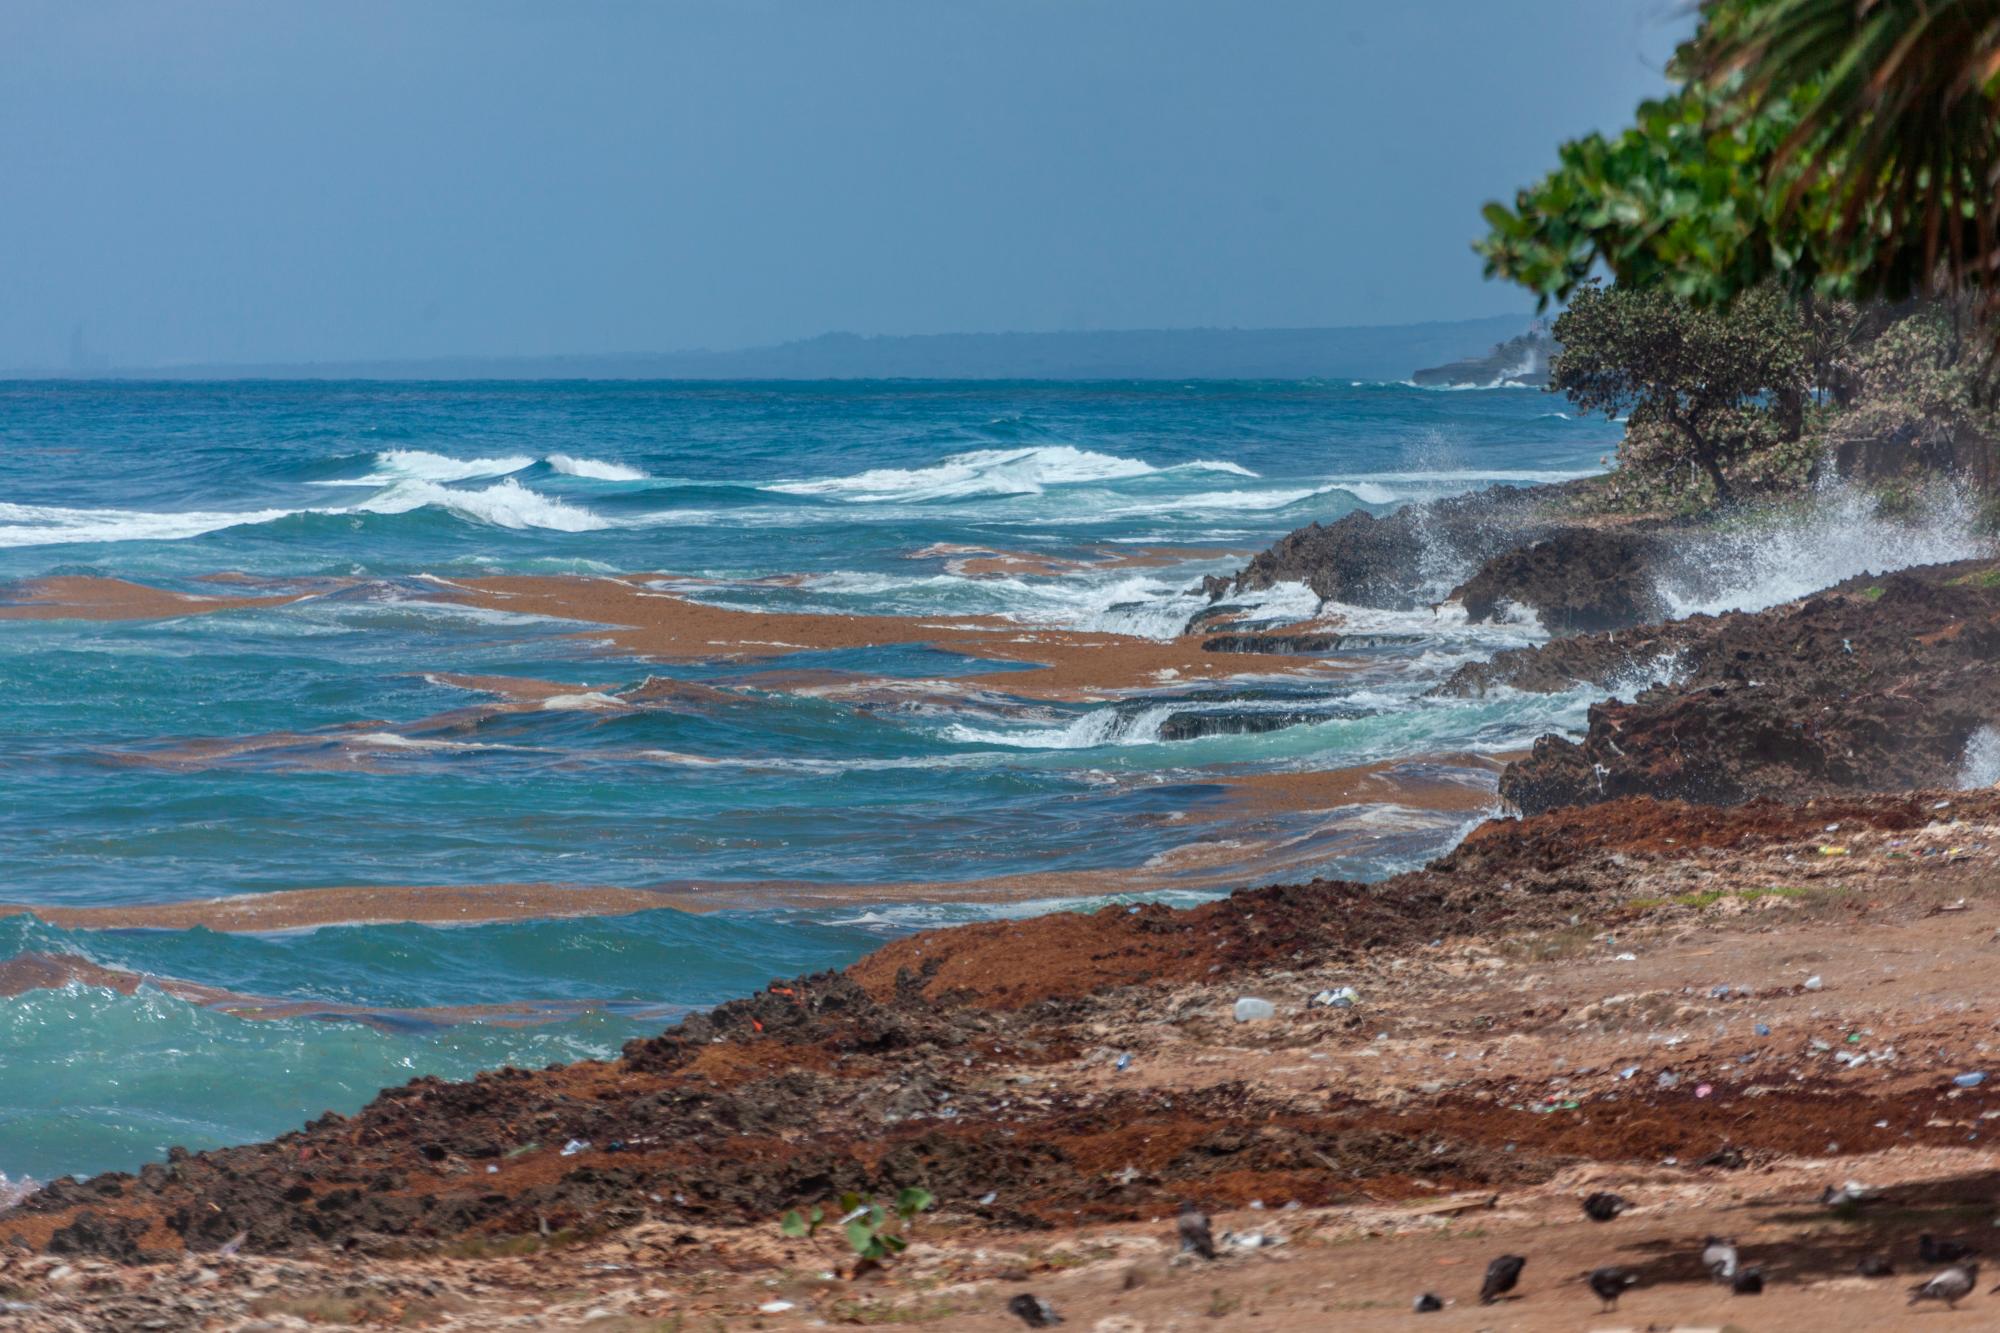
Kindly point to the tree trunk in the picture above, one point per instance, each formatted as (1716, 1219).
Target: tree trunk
(1705, 455)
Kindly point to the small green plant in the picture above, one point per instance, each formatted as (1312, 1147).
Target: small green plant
(802, 1226)
(875, 1233)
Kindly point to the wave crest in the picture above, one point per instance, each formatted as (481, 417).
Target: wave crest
(992, 472)
(506, 504)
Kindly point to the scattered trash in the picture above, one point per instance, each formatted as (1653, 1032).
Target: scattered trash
(1854, 1038)
(575, 1146)
(1814, 983)
(492, 1170)
(1252, 1240)
(1971, 1080)
(775, 1307)
(1762, 1029)
(989, 1197)
(1830, 850)
(1250, 1009)
(1628, 1071)
(1625, 958)
(1340, 997)
(1704, 1090)
(1667, 1079)
(1819, 1046)
(1124, 1061)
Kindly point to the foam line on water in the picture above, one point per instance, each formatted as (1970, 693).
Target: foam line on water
(52, 525)
(992, 472)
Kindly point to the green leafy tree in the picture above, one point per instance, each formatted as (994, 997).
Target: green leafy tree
(1842, 148)
(1703, 378)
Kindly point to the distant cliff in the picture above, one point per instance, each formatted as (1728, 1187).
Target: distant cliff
(1378, 352)
(1522, 359)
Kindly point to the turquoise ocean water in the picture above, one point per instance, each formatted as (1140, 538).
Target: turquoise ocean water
(161, 760)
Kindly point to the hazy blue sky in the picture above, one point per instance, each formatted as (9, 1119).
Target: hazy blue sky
(249, 180)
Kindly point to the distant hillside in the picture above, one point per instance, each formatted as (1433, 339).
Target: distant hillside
(1522, 359)
(1380, 352)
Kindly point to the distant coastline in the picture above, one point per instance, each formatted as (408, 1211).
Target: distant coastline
(1368, 352)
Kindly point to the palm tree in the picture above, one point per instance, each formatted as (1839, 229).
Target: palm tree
(1893, 165)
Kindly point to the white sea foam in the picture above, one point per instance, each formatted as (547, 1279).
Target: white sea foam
(1088, 731)
(506, 503)
(395, 465)
(389, 740)
(48, 525)
(593, 469)
(587, 701)
(1841, 535)
(14, 1192)
(1981, 765)
(992, 472)
(1141, 605)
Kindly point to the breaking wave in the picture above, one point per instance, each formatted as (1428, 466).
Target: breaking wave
(392, 466)
(594, 470)
(506, 504)
(992, 472)
(52, 525)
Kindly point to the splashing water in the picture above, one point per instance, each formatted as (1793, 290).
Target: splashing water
(14, 1191)
(1981, 765)
(1841, 535)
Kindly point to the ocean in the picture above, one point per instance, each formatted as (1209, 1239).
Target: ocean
(266, 638)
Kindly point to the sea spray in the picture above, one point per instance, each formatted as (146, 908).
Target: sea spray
(1981, 765)
(1760, 561)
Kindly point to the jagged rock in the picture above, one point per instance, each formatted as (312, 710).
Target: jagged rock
(1574, 580)
(1401, 560)
(1876, 685)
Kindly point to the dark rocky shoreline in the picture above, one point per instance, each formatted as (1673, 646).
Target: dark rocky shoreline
(1876, 685)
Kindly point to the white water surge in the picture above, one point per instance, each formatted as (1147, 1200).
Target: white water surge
(1842, 534)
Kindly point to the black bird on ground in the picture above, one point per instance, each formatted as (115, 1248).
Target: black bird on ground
(1875, 1265)
(1033, 1311)
(1428, 1303)
(1934, 1251)
(1951, 1286)
(1748, 1282)
(1197, 1237)
(1501, 1275)
(1610, 1283)
(1718, 1256)
(1603, 1206)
